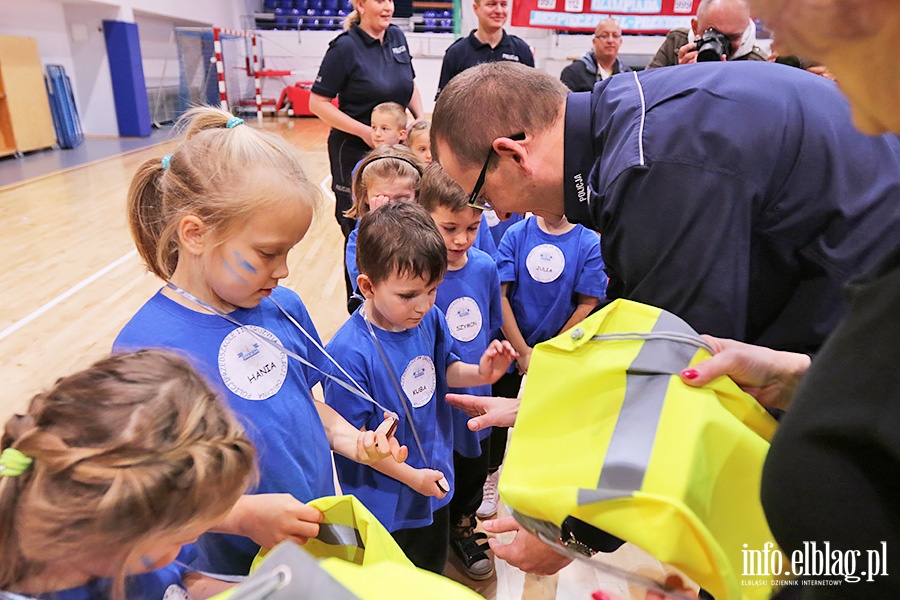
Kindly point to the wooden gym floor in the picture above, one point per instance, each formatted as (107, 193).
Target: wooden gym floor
(70, 280)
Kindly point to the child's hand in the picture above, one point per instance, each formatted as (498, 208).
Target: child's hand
(496, 360)
(269, 519)
(372, 446)
(523, 361)
(427, 483)
(376, 202)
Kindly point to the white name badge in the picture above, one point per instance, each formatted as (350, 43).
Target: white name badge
(464, 319)
(545, 263)
(418, 381)
(251, 368)
(174, 592)
(491, 217)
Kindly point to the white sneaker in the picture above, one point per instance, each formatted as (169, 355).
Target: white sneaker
(490, 498)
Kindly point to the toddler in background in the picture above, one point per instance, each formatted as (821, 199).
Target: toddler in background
(109, 473)
(388, 124)
(397, 346)
(469, 295)
(418, 138)
(216, 221)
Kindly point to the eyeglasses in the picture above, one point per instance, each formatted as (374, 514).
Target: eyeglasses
(475, 200)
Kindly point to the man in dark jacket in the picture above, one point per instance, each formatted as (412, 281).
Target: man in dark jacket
(597, 64)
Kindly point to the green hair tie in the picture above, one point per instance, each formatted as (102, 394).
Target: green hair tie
(166, 161)
(13, 463)
(234, 122)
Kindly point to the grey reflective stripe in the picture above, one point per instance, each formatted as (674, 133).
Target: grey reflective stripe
(646, 383)
(340, 535)
(305, 579)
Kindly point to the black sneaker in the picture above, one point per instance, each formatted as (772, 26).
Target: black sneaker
(471, 550)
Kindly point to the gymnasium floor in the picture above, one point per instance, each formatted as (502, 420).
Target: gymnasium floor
(71, 279)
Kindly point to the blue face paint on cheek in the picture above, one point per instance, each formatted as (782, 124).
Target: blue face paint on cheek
(243, 262)
(232, 272)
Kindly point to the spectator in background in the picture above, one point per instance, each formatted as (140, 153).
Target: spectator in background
(730, 17)
(488, 43)
(599, 63)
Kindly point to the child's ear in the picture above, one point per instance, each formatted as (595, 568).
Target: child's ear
(192, 233)
(365, 285)
(403, 136)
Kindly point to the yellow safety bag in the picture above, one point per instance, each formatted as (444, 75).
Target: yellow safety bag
(353, 558)
(607, 433)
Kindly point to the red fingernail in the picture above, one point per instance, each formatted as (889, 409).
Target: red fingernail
(690, 374)
(600, 595)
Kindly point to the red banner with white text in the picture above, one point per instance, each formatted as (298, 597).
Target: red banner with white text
(635, 16)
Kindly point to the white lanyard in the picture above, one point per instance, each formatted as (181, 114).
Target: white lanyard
(400, 395)
(358, 390)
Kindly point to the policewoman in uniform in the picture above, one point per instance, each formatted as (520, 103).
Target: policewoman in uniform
(366, 65)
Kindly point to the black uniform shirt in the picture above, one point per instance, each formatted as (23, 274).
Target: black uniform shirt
(363, 73)
(470, 51)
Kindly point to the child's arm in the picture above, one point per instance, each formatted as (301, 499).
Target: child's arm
(493, 364)
(268, 519)
(585, 304)
(361, 446)
(201, 586)
(423, 481)
(510, 329)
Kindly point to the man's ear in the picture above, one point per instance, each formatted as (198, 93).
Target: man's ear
(695, 25)
(365, 285)
(518, 151)
(192, 234)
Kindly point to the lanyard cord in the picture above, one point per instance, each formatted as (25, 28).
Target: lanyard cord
(357, 391)
(400, 395)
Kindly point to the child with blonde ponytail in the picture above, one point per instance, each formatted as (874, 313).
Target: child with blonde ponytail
(215, 220)
(109, 473)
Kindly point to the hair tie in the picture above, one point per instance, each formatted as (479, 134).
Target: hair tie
(166, 161)
(234, 122)
(13, 463)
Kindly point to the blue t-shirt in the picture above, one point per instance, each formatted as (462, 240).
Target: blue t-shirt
(545, 272)
(470, 299)
(165, 583)
(484, 241)
(498, 227)
(269, 391)
(350, 254)
(363, 72)
(418, 358)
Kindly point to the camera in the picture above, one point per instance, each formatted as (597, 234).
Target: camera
(712, 46)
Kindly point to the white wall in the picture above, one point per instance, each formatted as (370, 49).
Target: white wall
(70, 33)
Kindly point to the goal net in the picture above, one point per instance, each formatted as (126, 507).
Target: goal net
(199, 79)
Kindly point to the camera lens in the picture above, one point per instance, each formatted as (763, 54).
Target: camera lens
(712, 46)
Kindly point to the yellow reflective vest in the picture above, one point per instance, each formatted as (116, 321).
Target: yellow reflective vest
(608, 433)
(353, 557)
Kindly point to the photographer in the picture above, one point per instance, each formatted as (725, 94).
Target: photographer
(722, 30)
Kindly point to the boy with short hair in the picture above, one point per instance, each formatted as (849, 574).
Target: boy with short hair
(470, 299)
(388, 124)
(398, 348)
